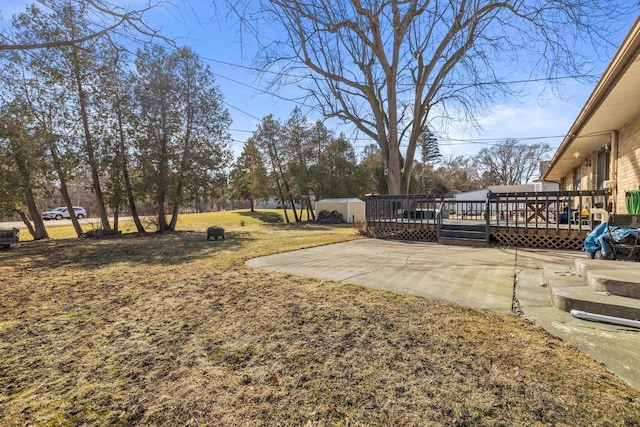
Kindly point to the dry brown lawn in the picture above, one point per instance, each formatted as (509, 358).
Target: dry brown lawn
(173, 330)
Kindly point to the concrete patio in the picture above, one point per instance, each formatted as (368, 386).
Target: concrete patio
(484, 278)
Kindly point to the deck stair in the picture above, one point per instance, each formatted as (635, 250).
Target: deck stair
(473, 234)
(610, 288)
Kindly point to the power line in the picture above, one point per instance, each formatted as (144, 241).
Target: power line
(241, 110)
(298, 102)
(451, 141)
(494, 82)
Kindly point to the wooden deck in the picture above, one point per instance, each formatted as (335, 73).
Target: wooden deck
(561, 236)
(541, 220)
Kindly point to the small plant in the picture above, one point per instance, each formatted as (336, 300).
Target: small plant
(242, 223)
(152, 223)
(362, 229)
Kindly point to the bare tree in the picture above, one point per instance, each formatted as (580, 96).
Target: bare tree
(391, 67)
(455, 174)
(108, 17)
(510, 163)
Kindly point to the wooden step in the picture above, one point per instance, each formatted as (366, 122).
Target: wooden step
(461, 241)
(463, 235)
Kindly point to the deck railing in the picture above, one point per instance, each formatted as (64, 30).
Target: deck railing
(573, 210)
(424, 208)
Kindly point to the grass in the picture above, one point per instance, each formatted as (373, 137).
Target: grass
(173, 330)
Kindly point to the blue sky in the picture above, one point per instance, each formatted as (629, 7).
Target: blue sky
(536, 117)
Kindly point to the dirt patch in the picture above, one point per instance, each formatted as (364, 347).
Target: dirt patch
(172, 330)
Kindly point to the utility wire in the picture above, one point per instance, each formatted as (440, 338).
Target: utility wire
(452, 141)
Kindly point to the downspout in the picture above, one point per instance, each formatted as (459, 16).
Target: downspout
(614, 169)
(594, 317)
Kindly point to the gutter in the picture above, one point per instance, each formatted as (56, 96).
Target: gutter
(613, 169)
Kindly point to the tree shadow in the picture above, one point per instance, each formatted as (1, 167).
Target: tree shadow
(308, 225)
(266, 217)
(135, 249)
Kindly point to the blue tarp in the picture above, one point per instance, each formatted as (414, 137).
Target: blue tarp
(599, 240)
(592, 243)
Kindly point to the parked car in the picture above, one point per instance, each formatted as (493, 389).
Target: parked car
(63, 212)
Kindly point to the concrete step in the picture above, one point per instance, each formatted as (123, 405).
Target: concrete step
(569, 291)
(616, 277)
(583, 265)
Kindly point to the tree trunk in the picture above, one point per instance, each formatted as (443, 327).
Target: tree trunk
(127, 179)
(163, 176)
(162, 183)
(57, 165)
(178, 198)
(26, 221)
(174, 217)
(162, 216)
(405, 183)
(284, 204)
(65, 194)
(394, 182)
(39, 231)
(69, 205)
(88, 143)
(181, 173)
(286, 186)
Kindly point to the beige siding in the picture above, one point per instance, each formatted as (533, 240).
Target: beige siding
(591, 178)
(628, 161)
(586, 176)
(628, 176)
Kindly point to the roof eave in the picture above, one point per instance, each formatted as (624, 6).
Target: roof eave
(617, 67)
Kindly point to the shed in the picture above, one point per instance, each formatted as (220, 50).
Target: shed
(353, 210)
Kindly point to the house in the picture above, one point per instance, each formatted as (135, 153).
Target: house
(472, 203)
(602, 148)
(468, 204)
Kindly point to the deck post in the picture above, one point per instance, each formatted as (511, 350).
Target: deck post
(487, 217)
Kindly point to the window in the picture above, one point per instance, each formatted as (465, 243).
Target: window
(576, 178)
(602, 168)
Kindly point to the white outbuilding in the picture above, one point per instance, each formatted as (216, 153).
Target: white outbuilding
(352, 210)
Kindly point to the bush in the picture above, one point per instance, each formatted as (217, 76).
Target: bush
(333, 217)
